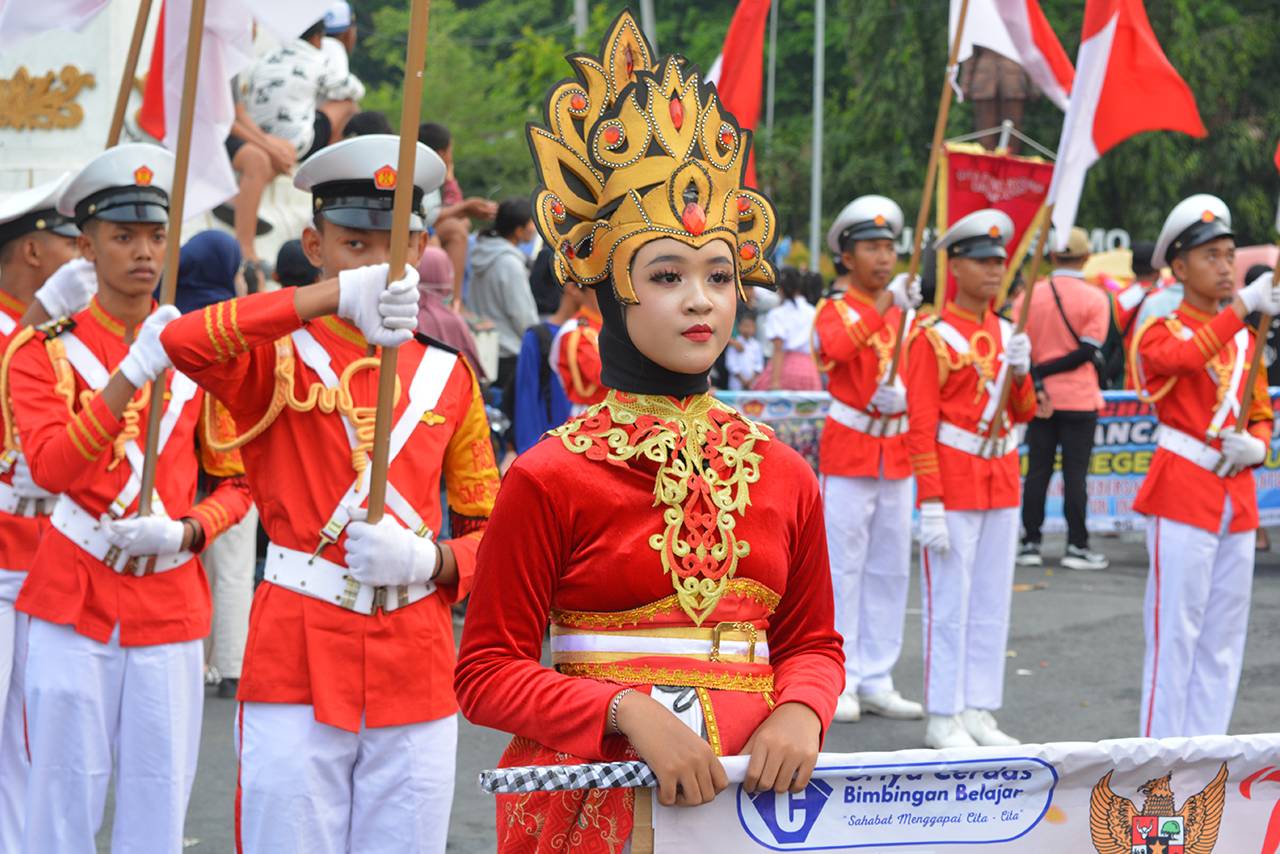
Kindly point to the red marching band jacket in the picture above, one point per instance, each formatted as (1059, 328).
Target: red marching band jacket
(954, 368)
(303, 396)
(1193, 366)
(22, 524)
(77, 448)
(854, 344)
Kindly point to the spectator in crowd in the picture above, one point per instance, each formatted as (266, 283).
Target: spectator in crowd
(542, 281)
(1165, 294)
(452, 222)
(500, 287)
(788, 328)
(1272, 363)
(367, 122)
(257, 158)
(1067, 324)
(293, 268)
(338, 44)
(298, 94)
(1126, 307)
(435, 318)
(540, 399)
(207, 272)
(744, 358)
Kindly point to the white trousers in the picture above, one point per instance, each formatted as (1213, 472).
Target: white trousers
(13, 742)
(1195, 618)
(88, 702)
(309, 788)
(229, 563)
(967, 593)
(869, 545)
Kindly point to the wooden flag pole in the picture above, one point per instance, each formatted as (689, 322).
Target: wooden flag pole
(997, 423)
(1255, 365)
(173, 246)
(130, 72)
(410, 111)
(930, 178)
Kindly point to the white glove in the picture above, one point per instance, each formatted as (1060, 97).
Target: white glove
(1017, 353)
(146, 535)
(889, 400)
(1262, 295)
(69, 289)
(25, 485)
(906, 296)
(146, 358)
(1243, 450)
(933, 527)
(387, 554)
(385, 313)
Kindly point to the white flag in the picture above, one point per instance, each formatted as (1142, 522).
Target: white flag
(21, 19)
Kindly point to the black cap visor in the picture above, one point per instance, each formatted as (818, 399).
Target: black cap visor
(367, 219)
(1198, 234)
(359, 204)
(978, 247)
(868, 230)
(125, 204)
(45, 219)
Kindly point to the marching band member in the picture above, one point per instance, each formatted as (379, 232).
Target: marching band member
(575, 355)
(1199, 491)
(676, 548)
(346, 729)
(862, 458)
(35, 242)
(118, 603)
(967, 483)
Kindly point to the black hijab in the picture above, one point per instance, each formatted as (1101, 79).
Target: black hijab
(626, 369)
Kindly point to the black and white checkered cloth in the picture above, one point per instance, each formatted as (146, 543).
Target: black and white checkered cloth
(552, 778)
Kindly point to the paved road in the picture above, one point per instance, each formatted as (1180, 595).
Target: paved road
(1075, 664)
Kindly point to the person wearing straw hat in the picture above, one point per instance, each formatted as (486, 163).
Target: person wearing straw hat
(35, 242)
(862, 457)
(965, 457)
(118, 603)
(1199, 493)
(347, 728)
(676, 547)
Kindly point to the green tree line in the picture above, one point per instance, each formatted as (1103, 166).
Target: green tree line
(489, 63)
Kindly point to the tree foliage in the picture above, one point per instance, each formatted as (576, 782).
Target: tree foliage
(489, 63)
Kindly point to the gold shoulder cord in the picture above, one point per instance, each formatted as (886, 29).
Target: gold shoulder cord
(1134, 359)
(318, 396)
(575, 372)
(6, 406)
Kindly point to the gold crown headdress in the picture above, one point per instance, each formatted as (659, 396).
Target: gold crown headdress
(633, 150)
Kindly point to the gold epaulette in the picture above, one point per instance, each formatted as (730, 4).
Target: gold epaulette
(54, 327)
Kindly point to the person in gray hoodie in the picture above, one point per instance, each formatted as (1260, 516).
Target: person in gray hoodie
(500, 282)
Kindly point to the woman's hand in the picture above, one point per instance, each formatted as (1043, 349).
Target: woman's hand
(783, 750)
(688, 772)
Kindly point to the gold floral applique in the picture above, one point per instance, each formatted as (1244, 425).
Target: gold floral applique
(707, 460)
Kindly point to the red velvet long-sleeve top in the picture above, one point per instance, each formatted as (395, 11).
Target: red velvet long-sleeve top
(854, 345)
(944, 385)
(388, 668)
(1186, 364)
(75, 447)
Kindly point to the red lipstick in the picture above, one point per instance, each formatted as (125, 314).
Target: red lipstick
(699, 332)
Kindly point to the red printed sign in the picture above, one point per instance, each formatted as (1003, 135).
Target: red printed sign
(971, 180)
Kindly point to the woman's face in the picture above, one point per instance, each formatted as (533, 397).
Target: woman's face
(688, 298)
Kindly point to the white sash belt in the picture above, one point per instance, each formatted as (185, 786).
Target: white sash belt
(89, 534)
(725, 642)
(332, 582)
(975, 443)
(864, 422)
(16, 505)
(1193, 450)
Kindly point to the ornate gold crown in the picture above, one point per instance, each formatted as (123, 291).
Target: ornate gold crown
(632, 152)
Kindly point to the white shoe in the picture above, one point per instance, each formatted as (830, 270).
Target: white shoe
(891, 704)
(981, 725)
(848, 710)
(943, 731)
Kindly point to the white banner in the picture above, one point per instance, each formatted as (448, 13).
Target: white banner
(1130, 796)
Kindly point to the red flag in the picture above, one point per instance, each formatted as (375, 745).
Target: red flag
(151, 113)
(1124, 86)
(739, 70)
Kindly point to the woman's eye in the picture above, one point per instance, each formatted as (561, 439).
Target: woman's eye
(669, 277)
(721, 277)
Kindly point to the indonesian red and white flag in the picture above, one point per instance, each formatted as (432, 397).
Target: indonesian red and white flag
(738, 71)
(1124, 86)
(226, 49)
(1018, 30)
(21, 19)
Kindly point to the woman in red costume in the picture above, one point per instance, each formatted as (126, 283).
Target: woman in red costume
(676, 548)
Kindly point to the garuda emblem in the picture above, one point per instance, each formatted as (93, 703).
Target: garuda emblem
(1118, 827)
